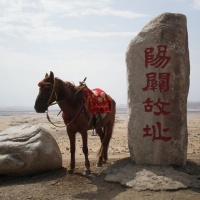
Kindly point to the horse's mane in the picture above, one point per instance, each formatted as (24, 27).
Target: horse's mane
(73, 94)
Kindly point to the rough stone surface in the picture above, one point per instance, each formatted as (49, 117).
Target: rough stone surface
(26, 150)
(158, 81)
(145, 177)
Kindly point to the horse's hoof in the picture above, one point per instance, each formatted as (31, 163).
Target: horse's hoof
(99, 165)
(104, 162)
(87, 172)
(70, 171)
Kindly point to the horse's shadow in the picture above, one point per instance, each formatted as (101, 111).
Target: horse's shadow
(104, 189)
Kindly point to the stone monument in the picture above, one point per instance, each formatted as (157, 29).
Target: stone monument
(158, 71)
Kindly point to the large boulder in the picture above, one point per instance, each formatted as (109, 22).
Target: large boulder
(27, 150)
(158, 71)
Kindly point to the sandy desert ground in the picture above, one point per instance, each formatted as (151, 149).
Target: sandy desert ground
(118, 146)
(59, 185)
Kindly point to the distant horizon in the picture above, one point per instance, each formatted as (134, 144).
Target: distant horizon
(190, 105)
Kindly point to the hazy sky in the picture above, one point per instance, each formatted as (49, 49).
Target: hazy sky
(80, 38)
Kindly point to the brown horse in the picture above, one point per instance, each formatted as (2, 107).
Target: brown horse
(70, 99)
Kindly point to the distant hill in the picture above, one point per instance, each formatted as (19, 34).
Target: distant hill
(193, 105)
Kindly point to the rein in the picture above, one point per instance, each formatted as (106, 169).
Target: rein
(52, 122)
(78, 113)
(60, 110)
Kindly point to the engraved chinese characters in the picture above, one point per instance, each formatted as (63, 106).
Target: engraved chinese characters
(158, 81)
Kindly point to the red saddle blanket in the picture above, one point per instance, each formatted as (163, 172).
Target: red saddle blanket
(97, 101)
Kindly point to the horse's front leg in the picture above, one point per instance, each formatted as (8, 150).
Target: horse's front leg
(85, 151)
(72, 139)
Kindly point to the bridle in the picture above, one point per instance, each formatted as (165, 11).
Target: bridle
(53, 103)
(57, 102)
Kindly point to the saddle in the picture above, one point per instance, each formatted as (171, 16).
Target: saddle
(96, 101)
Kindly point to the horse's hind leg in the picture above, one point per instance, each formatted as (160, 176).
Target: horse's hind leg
(108, 129)
(103, 152)
(100, 132)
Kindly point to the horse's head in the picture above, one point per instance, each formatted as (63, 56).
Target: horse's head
(46, 93)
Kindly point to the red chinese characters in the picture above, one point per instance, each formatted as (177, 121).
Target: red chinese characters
(156, 132)
(157, 82)
(149, 105)
(160, 60)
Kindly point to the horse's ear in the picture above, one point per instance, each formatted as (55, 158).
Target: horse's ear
(46, 75)
(51, 76)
